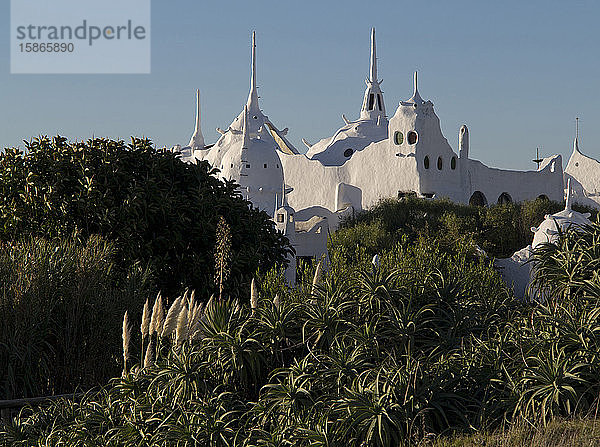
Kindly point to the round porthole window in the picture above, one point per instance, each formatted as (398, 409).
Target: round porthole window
(453, 163)
(440, 163)
(398, 137)
(426, 162)
(348, 152)
(411, 137)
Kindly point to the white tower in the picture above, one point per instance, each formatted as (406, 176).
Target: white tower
(373, 107)
(284, 222)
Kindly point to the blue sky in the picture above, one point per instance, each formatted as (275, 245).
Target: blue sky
(517, 73)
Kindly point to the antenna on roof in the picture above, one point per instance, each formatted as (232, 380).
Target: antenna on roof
(537, 159)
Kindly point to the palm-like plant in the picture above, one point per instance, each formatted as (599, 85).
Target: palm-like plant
(549, 385)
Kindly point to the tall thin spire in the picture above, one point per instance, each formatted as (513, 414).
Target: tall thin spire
(197, 140)
(576, 142)
(373, 72)
(253, 96)
(416, 97)
(373, 107)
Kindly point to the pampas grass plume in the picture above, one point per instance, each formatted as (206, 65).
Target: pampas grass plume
(126, 336)
(253, 295)
(149, 357)
(171, 319)
(316, 278)
(182, 326)
(145, 326)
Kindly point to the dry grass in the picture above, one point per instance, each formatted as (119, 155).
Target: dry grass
(558, 433)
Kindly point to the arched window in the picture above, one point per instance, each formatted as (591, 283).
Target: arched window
(478, 199)
(411, 137)
(453, 163)
(348, 152)
(379, 102)
(504, 198)
(426, 162)
(398, 137)
(440, 163)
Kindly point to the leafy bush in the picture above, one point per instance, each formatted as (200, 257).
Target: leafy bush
(157, 209)
(500, 229)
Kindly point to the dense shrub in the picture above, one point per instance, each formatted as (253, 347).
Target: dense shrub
(60, 307)
(428, 342)
(157, 209)
(321, 362)
(500, 229)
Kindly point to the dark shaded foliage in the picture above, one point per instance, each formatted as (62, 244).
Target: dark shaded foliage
(61, 303)
(500, 229)
(158, 210)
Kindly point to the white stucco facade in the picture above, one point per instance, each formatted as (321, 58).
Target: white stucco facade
(584, 174)
(414, 158)
(366, 160)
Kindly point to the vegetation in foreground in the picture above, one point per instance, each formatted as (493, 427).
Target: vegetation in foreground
(427, 343)
(60, 308)
(88, 230)
(156, 210)
(558, 433)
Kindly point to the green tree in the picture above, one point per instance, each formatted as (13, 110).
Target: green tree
(157, 209)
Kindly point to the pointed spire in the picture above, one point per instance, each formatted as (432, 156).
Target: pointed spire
(373, 107)
(569, 198)
(253, 95)
(197, 140)
(373, 72)
(576, 142)
(416, 98)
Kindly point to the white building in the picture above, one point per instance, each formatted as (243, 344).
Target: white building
(366, 160)
(584, 174)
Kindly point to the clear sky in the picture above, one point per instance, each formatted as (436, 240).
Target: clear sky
(516, 72)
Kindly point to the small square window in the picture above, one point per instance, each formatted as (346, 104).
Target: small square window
(265, 166)
(280, 218)
(247, 165)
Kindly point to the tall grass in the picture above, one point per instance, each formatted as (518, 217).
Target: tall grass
(61, 305)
